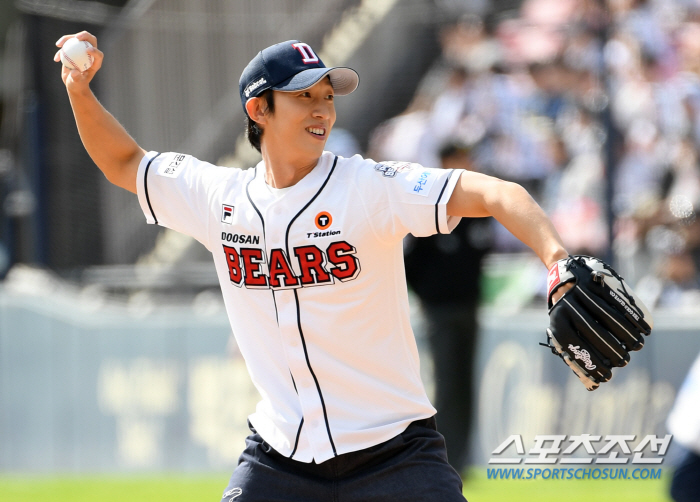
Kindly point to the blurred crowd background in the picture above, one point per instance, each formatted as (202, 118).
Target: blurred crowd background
(593, 105)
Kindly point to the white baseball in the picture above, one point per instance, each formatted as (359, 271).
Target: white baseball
(74, 54)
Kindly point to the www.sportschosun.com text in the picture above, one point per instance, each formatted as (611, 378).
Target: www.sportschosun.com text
(512, 473)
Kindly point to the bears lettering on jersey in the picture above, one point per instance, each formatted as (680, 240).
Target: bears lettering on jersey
(281, 274)
(342, 255)
(253, 261)
(249, 266)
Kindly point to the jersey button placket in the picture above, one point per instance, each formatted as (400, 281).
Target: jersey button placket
(289, 325)
(289, 328)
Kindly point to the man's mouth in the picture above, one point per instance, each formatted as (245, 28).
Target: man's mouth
(316, 131)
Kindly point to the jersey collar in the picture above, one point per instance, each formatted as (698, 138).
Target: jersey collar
(298, 195)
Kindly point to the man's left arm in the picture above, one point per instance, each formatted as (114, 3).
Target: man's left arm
(595, 317)
(478, 195)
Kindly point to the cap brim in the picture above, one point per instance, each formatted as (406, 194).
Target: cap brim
(344, 80)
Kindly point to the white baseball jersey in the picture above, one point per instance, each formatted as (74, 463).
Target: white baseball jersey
(314, 286)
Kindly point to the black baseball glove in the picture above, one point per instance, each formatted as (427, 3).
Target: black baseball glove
(596, 324)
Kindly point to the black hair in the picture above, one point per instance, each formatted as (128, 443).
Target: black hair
(253, 131)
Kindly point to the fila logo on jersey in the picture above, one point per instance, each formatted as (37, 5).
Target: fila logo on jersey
(250, 267)
(227, 214)
(323, 220)
(308, 56)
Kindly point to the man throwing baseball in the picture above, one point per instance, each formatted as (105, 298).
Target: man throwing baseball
(308, 249)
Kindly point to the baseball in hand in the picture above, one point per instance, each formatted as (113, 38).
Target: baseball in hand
(74, 54)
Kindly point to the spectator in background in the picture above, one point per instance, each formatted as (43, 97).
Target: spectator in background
(449, 296)
(670, 231)
(573, 197)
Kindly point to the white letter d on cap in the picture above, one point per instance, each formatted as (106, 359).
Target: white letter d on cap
(307, 53)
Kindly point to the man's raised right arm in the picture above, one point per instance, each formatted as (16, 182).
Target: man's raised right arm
(114, 151)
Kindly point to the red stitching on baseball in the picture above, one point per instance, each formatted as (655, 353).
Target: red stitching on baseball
(75, 66)
(87, 46)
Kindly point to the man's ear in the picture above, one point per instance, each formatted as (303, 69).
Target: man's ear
(257, 110)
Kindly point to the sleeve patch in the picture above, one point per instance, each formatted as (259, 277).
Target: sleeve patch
(171, 168)
(419, 182)
(390, 168)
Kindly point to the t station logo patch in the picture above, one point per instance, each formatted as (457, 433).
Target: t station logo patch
(323, 220)
(227, 214)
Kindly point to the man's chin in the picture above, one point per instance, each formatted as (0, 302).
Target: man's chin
(316, 150)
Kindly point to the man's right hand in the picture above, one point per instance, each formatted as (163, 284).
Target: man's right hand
(109, 145)
(75, 80)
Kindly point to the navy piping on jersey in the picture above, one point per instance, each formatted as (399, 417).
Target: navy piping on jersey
(145, 187)
(296, 443)
(318, 387)
(262, 220)
(296, 299)
(437, 220)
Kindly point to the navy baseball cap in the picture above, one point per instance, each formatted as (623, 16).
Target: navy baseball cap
(291, 66)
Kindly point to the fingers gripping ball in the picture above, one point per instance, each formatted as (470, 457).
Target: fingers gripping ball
(596, 324)
(74, 54)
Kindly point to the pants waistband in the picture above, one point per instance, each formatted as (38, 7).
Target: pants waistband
(348, 461)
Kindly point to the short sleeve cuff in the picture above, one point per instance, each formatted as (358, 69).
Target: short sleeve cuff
(142, 187)
(444, 223)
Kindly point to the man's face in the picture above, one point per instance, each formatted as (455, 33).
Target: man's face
(301, 122)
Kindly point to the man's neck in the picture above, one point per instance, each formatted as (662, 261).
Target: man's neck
(283, 172)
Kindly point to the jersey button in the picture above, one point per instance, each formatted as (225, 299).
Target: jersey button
(314, 424)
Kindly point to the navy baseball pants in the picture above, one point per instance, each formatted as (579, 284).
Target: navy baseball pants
(410, 467)
(685, 486)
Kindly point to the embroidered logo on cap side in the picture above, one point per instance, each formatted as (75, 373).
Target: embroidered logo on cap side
(254, 85)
